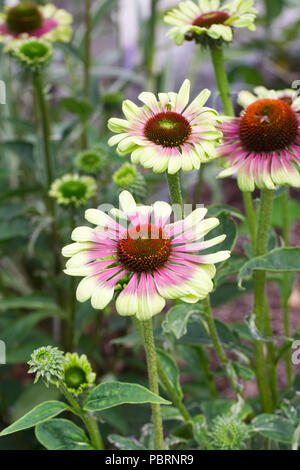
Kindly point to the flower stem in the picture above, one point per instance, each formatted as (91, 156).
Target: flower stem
(286, 285)
(46, 131)
(87, 66)
(153, 380)
(174, 395)
(70, 321)
(251, 218)
(150, 48)
(93, 430)
(259, 297)
(89, 421)
(217, 56)
(217, 344)
(175, 190)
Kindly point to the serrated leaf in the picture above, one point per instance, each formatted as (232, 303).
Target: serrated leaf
(110, 394)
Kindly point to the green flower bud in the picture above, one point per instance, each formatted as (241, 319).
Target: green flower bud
(90, 161)
(35, 53)
(228, 433)
(128, 178)
(78, 373)
(47, 363)
(73, 189)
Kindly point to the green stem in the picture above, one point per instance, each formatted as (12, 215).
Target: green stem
(70, 321)
(93, 430)
(150, 48)
(87, 66)
(39, 87)
(222, 80)
(153, 381)
(259, 297)
(46, 131)
(175, 190)
(251, 218)
(174, 395)
(217, 343)
(89, 421)
(272, 366)
(286, 285)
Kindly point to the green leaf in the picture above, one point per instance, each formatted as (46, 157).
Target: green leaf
(177, 319)
(274, 427)
(39, 414)
(29, 302)
(250, 322)
(278, 260)
(19, 329)
(228, 227)
(170, 369)
(82, 108)
(61, 434)
(124, 443)
(245, 373)
(109, 394)
(216, 209)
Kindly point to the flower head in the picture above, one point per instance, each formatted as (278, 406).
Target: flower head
(47, 363)
(209, 22)
(33, 52)
(263, 145)
(228, 432)
(167, 134)
(73, 189)
(290, 96)
(27, 19)
(78, 374)
(158, 260)
(89, 161)
(128, 177)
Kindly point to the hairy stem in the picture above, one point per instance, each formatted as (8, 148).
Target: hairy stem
(175, 190)
(259, 297)
(286, 285)
(153, 380)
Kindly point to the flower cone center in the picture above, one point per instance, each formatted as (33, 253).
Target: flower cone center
(168, 129)
(268, 125)
(208, 19)
(24, 18)
(74, 377)
(144, 248)
(73, 189)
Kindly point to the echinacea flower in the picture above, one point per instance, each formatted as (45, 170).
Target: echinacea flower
(159, 261)
(208, 22)
(263, 145)
(47, 363)
(89, 161)
(128, 177)
(78, 373)
(167, 134)
(290, 96)
(73, 189)
(27, 19)
(34, 53)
